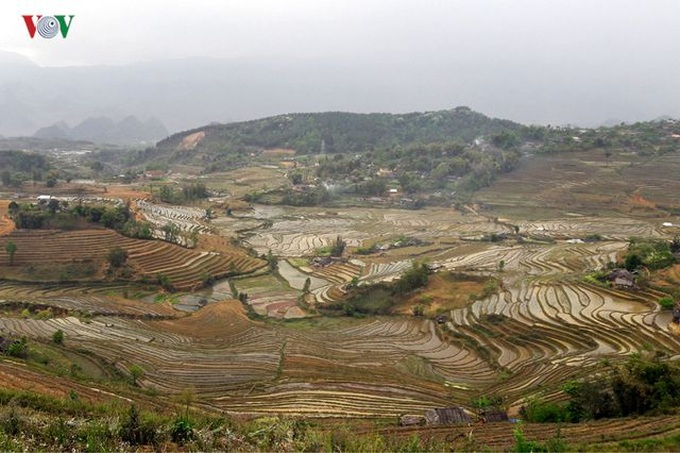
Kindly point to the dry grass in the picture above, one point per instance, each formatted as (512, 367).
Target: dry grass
(547, 186)
(278, 152)
(247, 180)
(444, 292)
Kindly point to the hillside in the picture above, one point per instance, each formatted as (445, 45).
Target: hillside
(332, 132)
(456, 149)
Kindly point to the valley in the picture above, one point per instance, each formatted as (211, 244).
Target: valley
(250, 308)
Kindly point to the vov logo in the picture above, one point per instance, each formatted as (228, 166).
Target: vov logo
(48, 26)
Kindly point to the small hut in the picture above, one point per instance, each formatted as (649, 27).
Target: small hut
(447, 416)
(622, 279)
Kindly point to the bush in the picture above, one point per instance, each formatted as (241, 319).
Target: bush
(18, 348)
(117, 257)
(182, 429)
(58, 337)
(652, 253)
(413, 278)
(11, 423)
(667, 303)
(338, 247)
(134, 431)
(165, 282)
(539, 411)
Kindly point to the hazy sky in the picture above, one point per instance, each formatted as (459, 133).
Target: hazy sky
(588, 32)
(619, 52)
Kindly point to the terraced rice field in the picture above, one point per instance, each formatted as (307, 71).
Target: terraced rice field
(186, 218)
(543, 326)
(550, 186)
(185, 268)
(499, 436)
(268, 296)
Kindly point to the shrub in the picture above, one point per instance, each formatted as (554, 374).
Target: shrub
(11, 423)
(58, 336)
(18, 348)
(136, 372)
(134, 432)
(338, 247)
(182, 429)
(667, 303)
(165, 282)
(539, 411)
(117, 257)
(414, 278)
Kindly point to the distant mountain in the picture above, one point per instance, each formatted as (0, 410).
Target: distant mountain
(129, 131)
(187, 93)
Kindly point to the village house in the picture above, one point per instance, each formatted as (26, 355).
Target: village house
(447, 416)
(622, 279)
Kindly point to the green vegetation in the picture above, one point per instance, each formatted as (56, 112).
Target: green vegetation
(187, 193)
(338, 247)
(20, 166)
(117, 257)
(17, 348)
(11, 249)
(58, 215)
(333, 132)
(650, 253)
(58, 337)
(412, 279)
(637, 386)
(667, 303)
(136, 373)
(381, 298)
(522, 445)
(33, 422)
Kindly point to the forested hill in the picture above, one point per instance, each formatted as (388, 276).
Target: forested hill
(345, 132)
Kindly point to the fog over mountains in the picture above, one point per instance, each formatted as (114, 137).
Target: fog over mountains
(187, 93)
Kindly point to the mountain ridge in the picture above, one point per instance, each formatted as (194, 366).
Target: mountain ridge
(128, 131)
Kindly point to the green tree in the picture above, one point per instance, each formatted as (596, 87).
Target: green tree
(13, 207)
(11, 249)
(167, 194)
(414, 278)
(171, 232)
(667, 303)
(97, 166)
(117, 256)
(58, 336)
(53, 205)
(633, 261)
(272, 260)
(18, 348)
(338, 247)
